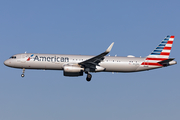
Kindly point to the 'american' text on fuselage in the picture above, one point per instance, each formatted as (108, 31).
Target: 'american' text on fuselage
(51, 59)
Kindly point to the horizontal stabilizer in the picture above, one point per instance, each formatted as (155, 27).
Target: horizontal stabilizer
(166, 62)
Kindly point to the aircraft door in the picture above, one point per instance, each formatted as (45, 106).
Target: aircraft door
(23, 58)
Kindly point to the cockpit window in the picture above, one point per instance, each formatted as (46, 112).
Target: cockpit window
(13, 57)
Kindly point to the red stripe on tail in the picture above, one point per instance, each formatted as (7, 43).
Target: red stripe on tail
(170, 42)
(167, 48)
(165, 53)
(172, 37)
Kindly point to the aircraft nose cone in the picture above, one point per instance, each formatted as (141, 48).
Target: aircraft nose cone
(6, 62)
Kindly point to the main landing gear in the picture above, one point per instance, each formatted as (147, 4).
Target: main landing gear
(89, 76)
(22, 75)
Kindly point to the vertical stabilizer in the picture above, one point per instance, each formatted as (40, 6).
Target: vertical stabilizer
(161, 52)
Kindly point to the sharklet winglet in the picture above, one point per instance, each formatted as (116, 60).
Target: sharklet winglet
(110, 47)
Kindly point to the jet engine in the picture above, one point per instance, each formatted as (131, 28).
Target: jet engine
(73, 71)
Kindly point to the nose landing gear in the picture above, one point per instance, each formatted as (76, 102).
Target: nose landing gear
(22, 75)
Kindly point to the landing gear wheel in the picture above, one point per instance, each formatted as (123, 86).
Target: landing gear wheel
(22, 75)
(88, 78)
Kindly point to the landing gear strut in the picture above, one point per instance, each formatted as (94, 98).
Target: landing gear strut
(22, 75)
(89, 76)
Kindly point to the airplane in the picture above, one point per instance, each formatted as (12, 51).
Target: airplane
(76, 65)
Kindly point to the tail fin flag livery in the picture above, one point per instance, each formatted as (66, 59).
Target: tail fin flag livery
(161, 53)
(77, 65)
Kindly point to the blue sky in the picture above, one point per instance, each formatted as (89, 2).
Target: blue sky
(88, 28)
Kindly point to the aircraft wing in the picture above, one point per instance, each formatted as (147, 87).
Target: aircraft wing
(92, 62)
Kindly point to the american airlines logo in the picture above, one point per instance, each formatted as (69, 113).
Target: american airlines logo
(30, 57)
(51, 59)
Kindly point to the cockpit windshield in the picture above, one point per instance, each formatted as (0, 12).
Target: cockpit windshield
(13, 57)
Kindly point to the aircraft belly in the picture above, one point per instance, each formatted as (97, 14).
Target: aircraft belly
(143, 68)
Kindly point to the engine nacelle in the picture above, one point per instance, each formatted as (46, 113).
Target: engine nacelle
(73, 71)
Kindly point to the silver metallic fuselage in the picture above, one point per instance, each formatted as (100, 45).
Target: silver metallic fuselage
(58, 61)
(76, 65)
